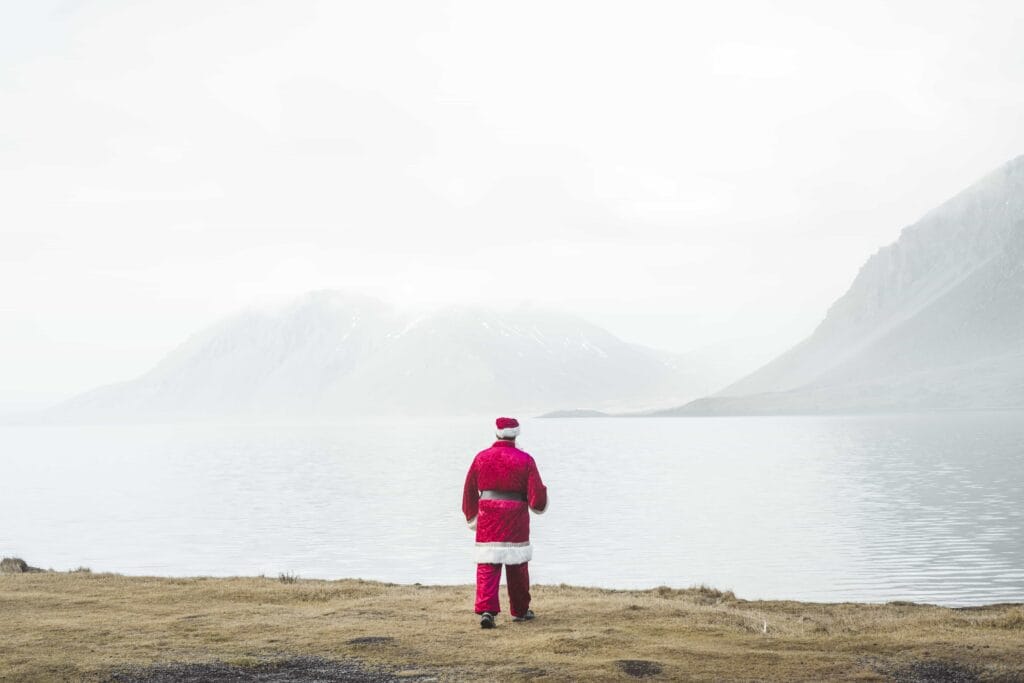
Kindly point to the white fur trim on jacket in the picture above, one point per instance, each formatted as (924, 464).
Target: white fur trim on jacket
(472, 523)
(503, 553)
(507, 433)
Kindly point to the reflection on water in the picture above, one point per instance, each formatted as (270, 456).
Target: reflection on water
(923, 508)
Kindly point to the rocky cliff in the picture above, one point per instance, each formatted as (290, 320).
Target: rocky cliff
(933, 321)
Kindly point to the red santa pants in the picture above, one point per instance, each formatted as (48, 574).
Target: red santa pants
(488, 578)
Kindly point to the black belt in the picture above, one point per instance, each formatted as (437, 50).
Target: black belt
(502, 495)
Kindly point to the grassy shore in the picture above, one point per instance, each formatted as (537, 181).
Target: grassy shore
(83, 626)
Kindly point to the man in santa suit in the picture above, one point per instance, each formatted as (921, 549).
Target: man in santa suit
(502, 487)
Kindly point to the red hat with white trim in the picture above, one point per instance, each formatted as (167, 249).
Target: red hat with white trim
(507, 427)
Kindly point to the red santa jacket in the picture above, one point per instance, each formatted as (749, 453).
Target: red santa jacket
(503, 526)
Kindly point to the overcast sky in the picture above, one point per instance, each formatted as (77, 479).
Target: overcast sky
(684, 174)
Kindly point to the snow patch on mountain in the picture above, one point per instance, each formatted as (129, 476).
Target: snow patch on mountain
(333, 353)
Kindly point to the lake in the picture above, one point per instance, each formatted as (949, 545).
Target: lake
(927, 508)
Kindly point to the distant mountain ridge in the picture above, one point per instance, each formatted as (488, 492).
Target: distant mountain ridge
(334, 353)
(934, 321)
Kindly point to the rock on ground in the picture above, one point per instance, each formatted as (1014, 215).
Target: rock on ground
(16, 565)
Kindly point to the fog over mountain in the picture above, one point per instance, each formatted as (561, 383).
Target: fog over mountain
(335, 353)
(934, 321)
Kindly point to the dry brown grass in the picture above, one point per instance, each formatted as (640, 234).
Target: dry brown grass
(81, 626)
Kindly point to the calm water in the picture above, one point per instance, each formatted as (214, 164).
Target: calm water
(924, 508)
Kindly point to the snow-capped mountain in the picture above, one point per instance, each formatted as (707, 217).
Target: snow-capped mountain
(934, 321)
(332, 353)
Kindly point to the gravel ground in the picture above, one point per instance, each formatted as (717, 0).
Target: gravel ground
(305, 669)
(935, 671)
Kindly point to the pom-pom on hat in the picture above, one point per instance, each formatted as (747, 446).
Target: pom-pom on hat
(507, 427)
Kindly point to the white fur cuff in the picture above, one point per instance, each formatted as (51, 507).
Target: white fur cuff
(472, 524)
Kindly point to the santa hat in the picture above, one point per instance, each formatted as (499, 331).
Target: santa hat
(508, 427)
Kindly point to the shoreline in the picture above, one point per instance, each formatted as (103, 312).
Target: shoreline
(611, 589)
(92, 626)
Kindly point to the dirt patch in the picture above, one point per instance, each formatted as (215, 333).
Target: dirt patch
(936, 671)
(371, 640)
(281, 671)
(531, 671)
(926, 671)
(639, 668)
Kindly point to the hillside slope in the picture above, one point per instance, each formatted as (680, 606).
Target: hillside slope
(331, 353)
(934, 321)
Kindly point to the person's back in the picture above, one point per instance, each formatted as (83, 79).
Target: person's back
(501, 488)
(504, 467)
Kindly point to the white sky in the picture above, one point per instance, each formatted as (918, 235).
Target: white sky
(685, 174)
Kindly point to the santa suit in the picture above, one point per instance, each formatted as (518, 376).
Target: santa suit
(497, 477)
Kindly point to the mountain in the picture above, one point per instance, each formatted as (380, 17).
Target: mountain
(934, 321)
(332, 353)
